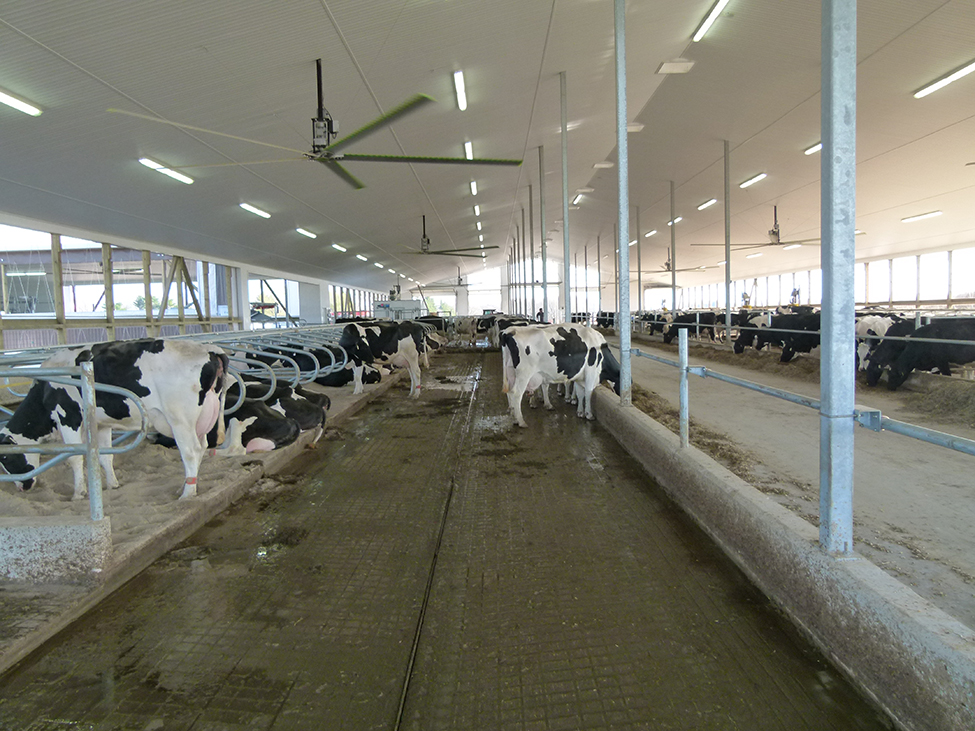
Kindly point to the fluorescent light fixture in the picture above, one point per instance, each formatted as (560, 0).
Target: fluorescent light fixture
(461, 90)
(391, 271)
(648, 234)
(942, 82)
(477, 210)
(360, 257)
(790, 247)
(304, 232)
(473, 187)
(814, 149)
(160, 168)
(707, 204)
(753, 256)
(19, 104)
(339, 247)
(575, 201)
(752, 181)
(469, 150)
(480, 237)
(708, 21)
(604, 164)
(25, 274)
(723, 261)
(675, 66)
(255, 211)
(381, 266)
(478, 225)
(920, 217)
(634, 127)
(676, 220)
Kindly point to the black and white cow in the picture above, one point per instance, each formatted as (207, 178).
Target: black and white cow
(534, 356)
(181, 384)
(307, 408)
(868, 328)
(702, 322)
(393, 343)
(345, 375)
(257, 427)
(887, 350)
(922, 354)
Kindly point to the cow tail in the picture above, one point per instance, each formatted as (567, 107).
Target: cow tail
(506, 340)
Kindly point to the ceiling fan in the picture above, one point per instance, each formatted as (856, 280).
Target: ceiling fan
(327, 151)
(667, 268)
(774, 237)
(425, 247)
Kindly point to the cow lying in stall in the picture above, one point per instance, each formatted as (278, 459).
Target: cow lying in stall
(181, 384)
(537, 355)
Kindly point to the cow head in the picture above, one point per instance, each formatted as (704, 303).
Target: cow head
(18, 464)
(896, 376)
(356, 343)
(610, 369)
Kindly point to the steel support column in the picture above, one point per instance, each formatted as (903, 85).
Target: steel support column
(673, 252)
(544, 241)
(565, 199)
(727, 243)
(531, 241)
(623, 184)
(838, 195)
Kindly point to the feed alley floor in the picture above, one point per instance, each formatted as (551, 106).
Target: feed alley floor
(434, 567)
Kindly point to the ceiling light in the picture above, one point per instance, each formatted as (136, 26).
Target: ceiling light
(478, 225)
(634, 127)
(309, 234)
(339, 247)
(461, 90)
(575, 201)
(753, 256)
(707, 204)
(477, 210)
(814, 149)
(360, 257)
(19, 104)
(391, 271)
(790, 247)
(160, 168)
(469, 150)
(752, 181)
(723, 261)
(24, 274)
(921, 217)
(940, 83)
(255, 211)
(603, 165)
(676, 66)
(648, 234)
(676, 220)
(381, 266)
(480, 237)
(706, 24)
(473, 187)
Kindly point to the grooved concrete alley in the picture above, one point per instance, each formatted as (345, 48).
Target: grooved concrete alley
(434, 567)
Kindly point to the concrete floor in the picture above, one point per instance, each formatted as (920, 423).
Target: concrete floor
(437, 568)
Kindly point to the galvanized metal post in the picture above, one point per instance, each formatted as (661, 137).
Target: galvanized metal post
(531, 241)
(599, 278)
(639, 265)
(544, 242)
(565, 199)
(727, 243)
(838, 195)
(684, 407)
(623, 184)
(93, 468)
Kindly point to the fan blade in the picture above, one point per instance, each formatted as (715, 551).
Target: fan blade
(201, 129)
(231, 164)
(410, 158)
(342, 173)
(388, 118)
(468, 248)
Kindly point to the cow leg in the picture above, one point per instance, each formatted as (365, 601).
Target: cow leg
(191, 450)
(357, 378)
(548, 404)
(515, 394)
(414, 369)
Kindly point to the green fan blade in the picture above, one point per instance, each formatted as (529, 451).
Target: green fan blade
(447, 160)
(388, 118)
(342, 173)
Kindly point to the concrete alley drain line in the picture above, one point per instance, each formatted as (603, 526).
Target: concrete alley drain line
(433, 563)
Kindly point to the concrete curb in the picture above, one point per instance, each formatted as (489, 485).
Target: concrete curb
(914, 660)
(127, 563)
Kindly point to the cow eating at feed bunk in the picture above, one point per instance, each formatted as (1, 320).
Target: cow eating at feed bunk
(181, 383)
(534, 356)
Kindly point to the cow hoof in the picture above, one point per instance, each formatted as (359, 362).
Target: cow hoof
(522, 424)
(82, 496)
(550, 407)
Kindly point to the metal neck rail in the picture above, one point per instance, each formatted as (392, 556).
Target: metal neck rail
(872, 419)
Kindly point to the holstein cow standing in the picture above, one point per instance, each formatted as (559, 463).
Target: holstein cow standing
(393, 343)
(537, 355)
(887, 351)
(181, 384)
(922, 354)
